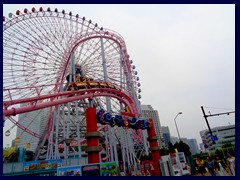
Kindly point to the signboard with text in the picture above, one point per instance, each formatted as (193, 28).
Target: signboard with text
(41, 165)
(69, 171)
(91, 170)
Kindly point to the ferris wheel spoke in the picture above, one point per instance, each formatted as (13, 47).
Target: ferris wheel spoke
(37, 52)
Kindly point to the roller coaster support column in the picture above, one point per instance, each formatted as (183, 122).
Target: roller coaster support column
(92, 136)
(154, 148)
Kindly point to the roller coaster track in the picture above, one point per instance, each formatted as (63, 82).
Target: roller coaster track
(65, 97)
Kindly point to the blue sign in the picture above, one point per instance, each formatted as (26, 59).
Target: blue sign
(214, 138)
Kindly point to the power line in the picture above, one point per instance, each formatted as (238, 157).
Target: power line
(219, 108)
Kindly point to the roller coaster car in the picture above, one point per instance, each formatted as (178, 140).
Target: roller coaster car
(86, 83)
(110, 86)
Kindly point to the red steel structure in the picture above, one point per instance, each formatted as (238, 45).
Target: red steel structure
(154, 148)
(92, 135)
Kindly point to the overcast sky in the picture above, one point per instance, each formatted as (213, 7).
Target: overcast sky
(184, 55)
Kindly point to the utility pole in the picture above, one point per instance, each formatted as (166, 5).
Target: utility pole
(206, 116)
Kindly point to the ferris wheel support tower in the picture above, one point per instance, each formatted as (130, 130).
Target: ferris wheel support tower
(40, 49)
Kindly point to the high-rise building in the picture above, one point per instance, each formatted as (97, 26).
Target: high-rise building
(224, 134)
(202, 149)
(149, 113)
(166, 135)
(35, 121)
(193, 146)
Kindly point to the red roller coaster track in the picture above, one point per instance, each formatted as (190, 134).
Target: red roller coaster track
(78, 95)
(38, 49)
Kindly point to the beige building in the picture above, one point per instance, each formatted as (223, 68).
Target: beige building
(149, 113)
(225, 134)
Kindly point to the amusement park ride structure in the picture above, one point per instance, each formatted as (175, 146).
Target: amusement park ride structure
(62, 62)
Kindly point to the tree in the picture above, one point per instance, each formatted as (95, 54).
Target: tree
(182, 147)
(227, 145)
(163, 151)
(170, 147)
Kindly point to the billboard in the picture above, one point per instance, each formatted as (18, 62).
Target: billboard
(91, 170)
(98, 169)
(41, 165)
(181, 157)
(109, 169)
(69, 171)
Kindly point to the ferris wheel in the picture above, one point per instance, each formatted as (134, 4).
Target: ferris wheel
(43, 51)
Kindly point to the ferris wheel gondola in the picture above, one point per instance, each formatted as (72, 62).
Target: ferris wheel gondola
(47, 50)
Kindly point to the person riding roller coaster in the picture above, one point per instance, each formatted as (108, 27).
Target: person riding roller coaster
(86, 83)
(78, 72)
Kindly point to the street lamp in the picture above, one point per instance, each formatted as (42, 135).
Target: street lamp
(176, 125)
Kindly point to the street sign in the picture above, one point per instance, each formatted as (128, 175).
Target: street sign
(214, 138)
